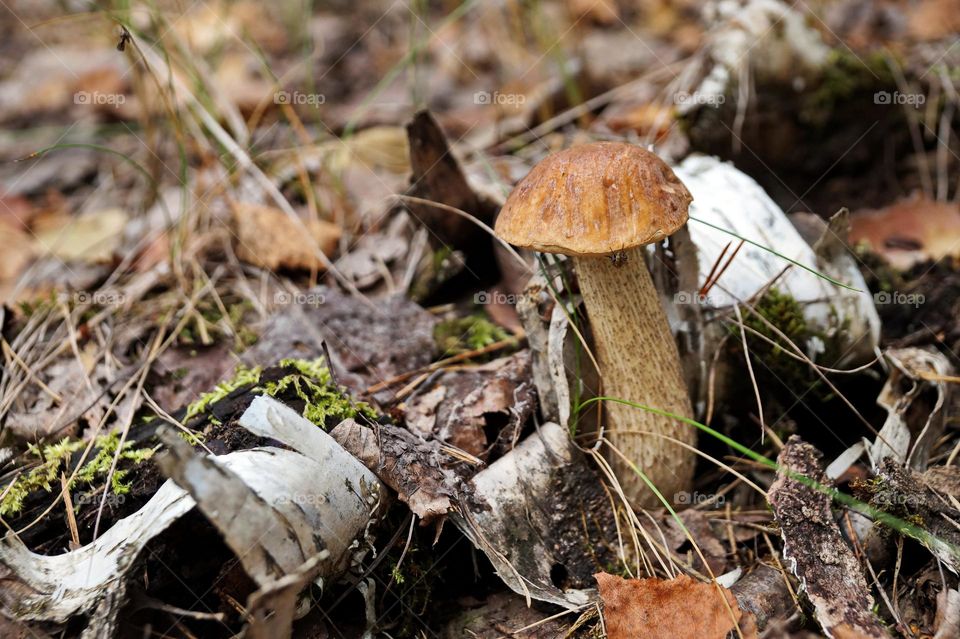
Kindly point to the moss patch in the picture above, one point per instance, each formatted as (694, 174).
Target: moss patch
(306, 381)
(845, 77)
(464, 334)
(54, 458)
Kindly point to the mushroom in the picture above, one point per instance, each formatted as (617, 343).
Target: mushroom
(600, 203)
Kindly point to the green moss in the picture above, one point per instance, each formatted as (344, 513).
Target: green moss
(464, 334)
(846, 76)
(785, 313)
(243, 377)
(42, 476)
(310, 381)
(106, 447)
(54, 459)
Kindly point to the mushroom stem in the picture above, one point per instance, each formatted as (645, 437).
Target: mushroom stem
(639, 362)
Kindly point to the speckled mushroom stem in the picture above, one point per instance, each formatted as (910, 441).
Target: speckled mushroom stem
(639, 362)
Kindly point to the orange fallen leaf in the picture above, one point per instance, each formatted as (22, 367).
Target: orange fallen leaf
(679, 608)
(268, 237)
(910, 230)
(930, 20)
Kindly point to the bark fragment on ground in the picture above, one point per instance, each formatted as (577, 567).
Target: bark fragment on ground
(543, 519)
(828, 571)
(404, 462)
(928, 499)
(764, 593)
(437, 176)
(275, 527)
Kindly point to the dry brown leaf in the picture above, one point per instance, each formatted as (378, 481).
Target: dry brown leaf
(670, 608)
(269, 238)
(238, 77)
(206, 26)
(910, 230)
(933, 19)
(464, 405)
(87, 238)
(17, 251)
(367, 344)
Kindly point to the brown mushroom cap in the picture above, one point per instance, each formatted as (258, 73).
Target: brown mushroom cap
(594, 199)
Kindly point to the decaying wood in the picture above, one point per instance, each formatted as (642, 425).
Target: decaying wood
(926, 498)
(437, 176)
(533, 511)
(764, 593)
(405, 463)
(826, 566)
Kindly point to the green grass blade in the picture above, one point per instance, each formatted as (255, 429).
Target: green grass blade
(891, 521)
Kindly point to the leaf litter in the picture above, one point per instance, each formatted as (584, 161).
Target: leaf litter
(256, 328)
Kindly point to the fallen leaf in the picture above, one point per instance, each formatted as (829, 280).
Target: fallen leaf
(269, 238)
(37, 415)
(18, 250)
(466, 405)
(675, 608)
(910, 230)
(187, 372)
(88, 238)
(239, 79)
(933, 19)
(698, 524)
(367, 343)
